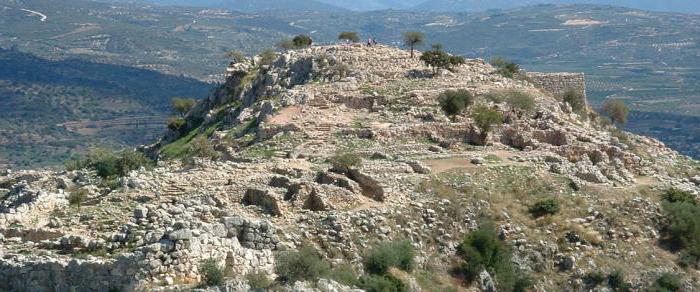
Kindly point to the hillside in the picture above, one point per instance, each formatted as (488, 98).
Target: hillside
(49, 110)
(647, 58)
(335, 167)
(682, 6)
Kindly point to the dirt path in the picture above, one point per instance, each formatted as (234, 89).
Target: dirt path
(446, 164)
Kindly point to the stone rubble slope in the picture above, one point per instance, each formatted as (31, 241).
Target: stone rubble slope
(274, 189)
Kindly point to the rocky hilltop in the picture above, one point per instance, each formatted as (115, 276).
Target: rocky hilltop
(345, 148)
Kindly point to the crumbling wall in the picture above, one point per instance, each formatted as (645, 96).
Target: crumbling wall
(559, 83)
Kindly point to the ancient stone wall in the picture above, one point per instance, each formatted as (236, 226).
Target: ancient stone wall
(559, 83)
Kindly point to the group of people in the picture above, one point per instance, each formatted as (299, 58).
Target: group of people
(371, 42)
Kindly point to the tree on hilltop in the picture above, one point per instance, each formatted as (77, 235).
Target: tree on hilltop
(412, 39)
(439, 59)
(302, 41)
(349, 36)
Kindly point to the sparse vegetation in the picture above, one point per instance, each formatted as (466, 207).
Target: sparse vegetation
(343, 161)
(212, 273)
(683, 225)
(453, 102)
(235, 56)
(577, 102)
(483, 250)
(545, 207)
(77, 197)
(258, 281)
(521, 101)
(201, 147)
(389, 254)
(412, 39)
(505, 68)
(303, 265)
(616, 110)
(616, 281)
(667, 282)
(349, 36)
(593, 279)
(110, 164)
(267, 57)
(176, 124)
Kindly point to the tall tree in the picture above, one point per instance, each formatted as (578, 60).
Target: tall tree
(412, 39)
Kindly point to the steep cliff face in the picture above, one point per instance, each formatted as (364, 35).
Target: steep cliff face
(339, 148)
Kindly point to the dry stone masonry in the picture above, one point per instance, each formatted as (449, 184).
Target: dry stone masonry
(273, 187)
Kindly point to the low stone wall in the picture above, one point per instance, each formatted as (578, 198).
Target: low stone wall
(46, 274)
(559, 83)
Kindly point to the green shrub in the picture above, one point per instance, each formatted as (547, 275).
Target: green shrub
(343, 161)
(594, 278)
(521, 101)
(576, 100)
(302, 41)
(176, 124)
(389, 254)
(377, 283)
(457, 60)
(303, 265)
(201, 147)
(350, 36)
(683, 230)
(482, 249)
(485, 118)
(523, 283)
(436, 59)
(110, 164)
(77, 197)
(258, 281)
(267, 57)
(667, 282)
(616, 281)
(235, 56)
(549, 206)
(453, 102)
(345, 274)
(495, 96)
(212, 273)
(505, 68)
(674, 195)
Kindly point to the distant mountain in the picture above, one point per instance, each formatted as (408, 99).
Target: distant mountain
(251, 5)
(369, 5)
(685, 6)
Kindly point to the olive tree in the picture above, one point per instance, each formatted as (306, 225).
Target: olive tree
(412, 39)
(616, 110)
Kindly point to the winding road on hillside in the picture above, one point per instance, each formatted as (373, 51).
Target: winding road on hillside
(42, 16)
